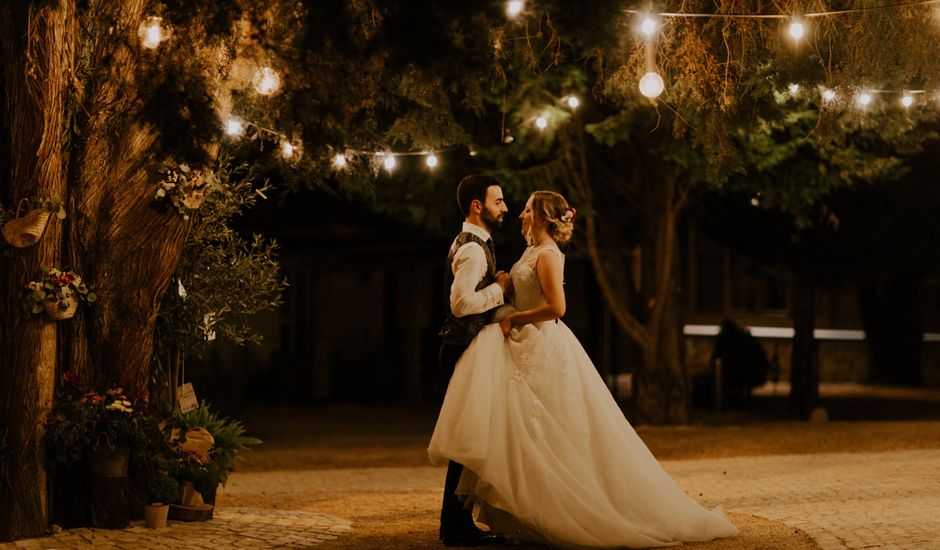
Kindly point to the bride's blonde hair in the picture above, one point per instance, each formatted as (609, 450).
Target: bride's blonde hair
(552, 209)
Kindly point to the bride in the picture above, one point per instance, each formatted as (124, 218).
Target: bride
(548, 456)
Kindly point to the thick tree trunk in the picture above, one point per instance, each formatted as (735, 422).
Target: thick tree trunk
(804, 371)
(119, 242)
(646, 309)
(893, 314)
(662, 391)
(113, 237)
(37, 57)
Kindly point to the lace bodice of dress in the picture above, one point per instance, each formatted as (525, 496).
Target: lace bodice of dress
(527, 290)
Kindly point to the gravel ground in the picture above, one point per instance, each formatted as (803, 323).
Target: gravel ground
(344, 438)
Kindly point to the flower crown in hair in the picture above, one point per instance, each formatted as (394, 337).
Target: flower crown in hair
(569, 215)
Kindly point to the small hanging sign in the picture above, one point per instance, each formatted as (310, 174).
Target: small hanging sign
(186, 397)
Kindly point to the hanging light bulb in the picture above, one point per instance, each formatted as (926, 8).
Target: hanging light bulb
(287, 150)
(574, 102)
(541, 122)
(339, 161)
(389, 162)
(266, 81)
(651, 85)
(431, 161)
(514, 7)
(151, 32)
(234, 126)
(829, 95)
(864, 99)
(907, 100)
(796, 29)
(648, 26)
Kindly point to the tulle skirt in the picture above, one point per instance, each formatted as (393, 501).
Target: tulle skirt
(549, 457)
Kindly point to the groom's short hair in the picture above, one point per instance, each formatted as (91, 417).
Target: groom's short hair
(471, 188)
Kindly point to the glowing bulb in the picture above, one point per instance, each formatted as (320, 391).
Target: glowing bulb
(651, 85)
(794, 89)
(339, 161)
(266, 81)
(755, 202)
(541, 122)
(648, 26)
(287, 150)
(514, 8)
(864, 99)
(907, 100)
(150, 32)
(389, 162)
(574, 102)
(829, 95)
(796, 30)
(431, 161)
(234, 127)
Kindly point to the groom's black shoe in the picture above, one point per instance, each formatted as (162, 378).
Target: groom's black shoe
(471, 538)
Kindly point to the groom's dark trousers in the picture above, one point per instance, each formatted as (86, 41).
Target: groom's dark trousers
(454, 519)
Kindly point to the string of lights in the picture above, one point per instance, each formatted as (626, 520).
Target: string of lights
(787, 16)
(266, 81)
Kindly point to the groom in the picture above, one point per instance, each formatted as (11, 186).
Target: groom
(475, 288)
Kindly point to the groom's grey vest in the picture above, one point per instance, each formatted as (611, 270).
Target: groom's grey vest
(459, 331)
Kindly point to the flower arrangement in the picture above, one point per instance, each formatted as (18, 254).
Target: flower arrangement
(209, 470)
(56, 290)
(186, 188)
(84, 419)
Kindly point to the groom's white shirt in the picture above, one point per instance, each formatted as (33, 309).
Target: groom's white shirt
(469, 267)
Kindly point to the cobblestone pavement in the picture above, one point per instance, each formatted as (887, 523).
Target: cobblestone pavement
(842, 500)
(229, 528)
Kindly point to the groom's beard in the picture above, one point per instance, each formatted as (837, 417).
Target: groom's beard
(491, 221)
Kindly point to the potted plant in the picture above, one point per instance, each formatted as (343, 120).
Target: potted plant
(58, 292)
(162, 489)
(101, 427)
(208, 471)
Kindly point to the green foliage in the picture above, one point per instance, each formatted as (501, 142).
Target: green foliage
(162, 489)
(82, 418)
(222, 278)
(230, 440)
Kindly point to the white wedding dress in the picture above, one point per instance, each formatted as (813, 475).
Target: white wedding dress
(548, 456)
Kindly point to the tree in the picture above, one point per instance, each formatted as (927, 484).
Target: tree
(90, 114)
(728, 120)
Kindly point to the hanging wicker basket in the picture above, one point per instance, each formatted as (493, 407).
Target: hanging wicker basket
(56, 313)
(25, 230)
